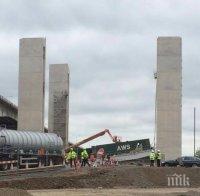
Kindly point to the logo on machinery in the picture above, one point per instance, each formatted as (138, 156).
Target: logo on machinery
(123, 147)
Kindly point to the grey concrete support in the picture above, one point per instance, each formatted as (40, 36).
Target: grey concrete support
(169, 96)
(31, 84)
(59, 100)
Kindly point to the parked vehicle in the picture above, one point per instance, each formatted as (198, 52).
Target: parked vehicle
(189, 161)
(185, 161)
(170, 163)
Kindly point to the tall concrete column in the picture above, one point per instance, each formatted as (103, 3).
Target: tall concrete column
(169, 96)
(59, 100)
(31, 84)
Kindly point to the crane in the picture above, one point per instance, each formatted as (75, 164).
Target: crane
(113, 138)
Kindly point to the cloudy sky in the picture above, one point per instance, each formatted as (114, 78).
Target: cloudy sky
(110, 46)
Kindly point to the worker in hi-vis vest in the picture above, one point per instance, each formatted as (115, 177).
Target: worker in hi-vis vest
(158, 158)
(71, 156)
(152, 157)
(84, 158)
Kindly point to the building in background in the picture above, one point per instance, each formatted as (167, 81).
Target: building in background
(31, 84)
(59, 100)
(169, 96)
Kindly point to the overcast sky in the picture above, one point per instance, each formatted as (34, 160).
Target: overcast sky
(110, 46)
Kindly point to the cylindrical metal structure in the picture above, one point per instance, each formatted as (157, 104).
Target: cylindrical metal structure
(30, 139)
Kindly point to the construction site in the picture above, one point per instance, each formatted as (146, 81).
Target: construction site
(34, 159)
(99, 98)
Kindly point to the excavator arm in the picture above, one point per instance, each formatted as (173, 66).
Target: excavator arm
(114, 139)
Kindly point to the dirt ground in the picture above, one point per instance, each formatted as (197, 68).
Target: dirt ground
(121, 176)
(14, 192)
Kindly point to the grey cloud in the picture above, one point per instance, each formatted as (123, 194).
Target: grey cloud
(128, 16)
(120, 95)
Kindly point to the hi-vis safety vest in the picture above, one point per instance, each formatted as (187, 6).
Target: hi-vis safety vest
(159, 156)
(152, 156)
(71, 155)
(84, 154)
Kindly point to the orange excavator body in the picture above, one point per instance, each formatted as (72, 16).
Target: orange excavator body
(113, 138)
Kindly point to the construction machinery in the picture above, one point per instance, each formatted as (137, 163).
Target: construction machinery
(113, 138)
(24, 149)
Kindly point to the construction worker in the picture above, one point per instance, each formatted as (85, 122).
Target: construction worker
(84, 157)
(158, 158)
(152, 157)
(72, 157)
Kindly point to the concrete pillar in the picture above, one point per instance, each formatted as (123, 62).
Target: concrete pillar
(59, 100)
(31, 84)
(169, 96)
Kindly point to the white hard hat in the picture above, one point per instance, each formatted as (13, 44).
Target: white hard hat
(158, 150)
(152, 150)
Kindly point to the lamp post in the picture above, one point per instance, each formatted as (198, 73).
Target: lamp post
(194, 131)
(155, 129)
